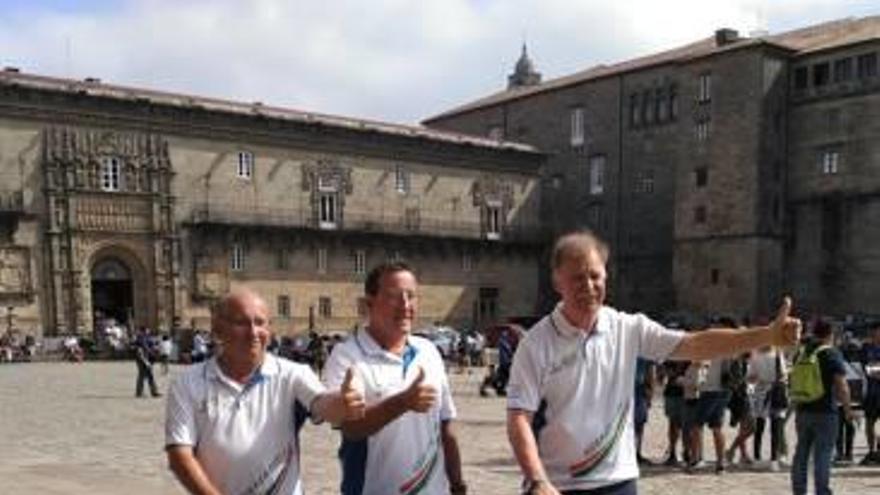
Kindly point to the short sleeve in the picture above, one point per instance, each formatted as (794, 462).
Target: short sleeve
(656, 342)
(522, 388)
(307, 386)
(336, 367)
(180, 419)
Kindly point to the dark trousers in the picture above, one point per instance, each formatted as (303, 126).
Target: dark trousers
(627, 487)
(846, 433)
(776, 425)
(145, 374)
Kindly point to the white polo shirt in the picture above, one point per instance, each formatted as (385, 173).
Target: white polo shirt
(405, 456)
(244, 436)
(580, 388)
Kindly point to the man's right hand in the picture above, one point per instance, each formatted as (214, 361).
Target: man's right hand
(419, 396)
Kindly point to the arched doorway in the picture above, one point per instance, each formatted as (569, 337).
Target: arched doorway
(112, 291)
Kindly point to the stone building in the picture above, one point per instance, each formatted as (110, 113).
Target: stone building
(723, 172)
(144, 206)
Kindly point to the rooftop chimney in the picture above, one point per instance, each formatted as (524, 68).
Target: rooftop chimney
(726, 36)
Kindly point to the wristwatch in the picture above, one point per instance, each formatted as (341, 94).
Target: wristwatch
(532, 484)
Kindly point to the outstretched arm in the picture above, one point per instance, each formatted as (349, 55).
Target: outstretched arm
(718, 342)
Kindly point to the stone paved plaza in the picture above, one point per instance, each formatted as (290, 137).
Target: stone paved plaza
(76, 429)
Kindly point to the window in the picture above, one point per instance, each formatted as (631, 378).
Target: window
(829, 162)
(648, 107)
(282, 259)
(645, 182)
(704, 94)
(700, 214)
(321, 261)
(494, 221)
(577, 126)
(843, 69)
(401, 179)
(359, 259)
(866, 65)
(325, 307)
(800, 78)
(701, 176)
(634, 111)
(284, 306)
(111, 174)
(662, 106)
(411, 219)
(496, 132)
(597, 174)
(714, 276)
(327, 210)
(702, 129)
(245, 165)
(467, 262)
(821, 74)
(673, 102)
(236, 259)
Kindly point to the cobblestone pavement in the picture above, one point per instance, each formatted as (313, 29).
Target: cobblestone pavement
(71, 429)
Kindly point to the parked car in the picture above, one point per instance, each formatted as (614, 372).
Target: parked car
(444, 338)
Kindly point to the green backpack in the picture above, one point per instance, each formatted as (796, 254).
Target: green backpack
(805, 379)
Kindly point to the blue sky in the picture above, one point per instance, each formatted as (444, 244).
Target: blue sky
(395, 60)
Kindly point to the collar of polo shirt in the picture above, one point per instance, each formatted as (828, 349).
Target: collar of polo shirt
(372, 348)
(267, 369)
(566, 329)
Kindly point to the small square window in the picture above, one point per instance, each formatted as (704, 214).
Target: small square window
(359, 259)
(829, 162)
(843, 70)
(821, 74)
(111, 174)
(800, 78)
(866, 65)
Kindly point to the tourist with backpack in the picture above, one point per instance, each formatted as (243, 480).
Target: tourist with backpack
(818, 386)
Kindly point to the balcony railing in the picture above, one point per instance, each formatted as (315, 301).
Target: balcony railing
(373, 221)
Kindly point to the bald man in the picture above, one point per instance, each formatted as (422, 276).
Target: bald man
(232, 422)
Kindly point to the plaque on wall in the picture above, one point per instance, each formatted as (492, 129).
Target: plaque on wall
(15, 280)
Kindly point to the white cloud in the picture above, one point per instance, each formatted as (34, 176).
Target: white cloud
(398, 60)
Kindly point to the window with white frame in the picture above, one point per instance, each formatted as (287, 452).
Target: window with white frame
(236, 259)
(401, 179)
(327, 213)
(245, 165)
(494, 220)
(597, 174)
(830, 159)
(704, 94)
(111, 174)
(577, 126)
(284, 306)
(321, 260)
(359, 259)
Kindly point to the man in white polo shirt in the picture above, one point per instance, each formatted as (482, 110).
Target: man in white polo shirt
(404, 444)
(570, 401)
(232, 422)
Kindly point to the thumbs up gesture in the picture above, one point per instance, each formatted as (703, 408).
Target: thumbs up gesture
(352, 400)
(786, 329)
(420, 396)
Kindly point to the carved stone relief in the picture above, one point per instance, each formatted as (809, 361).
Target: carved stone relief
(14, 271)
